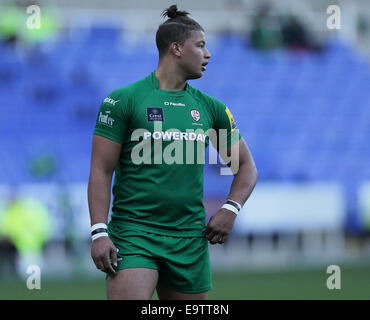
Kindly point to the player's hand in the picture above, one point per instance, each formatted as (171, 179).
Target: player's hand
(103, 251)
(220, 226)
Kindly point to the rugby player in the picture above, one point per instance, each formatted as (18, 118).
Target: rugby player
(152, 134)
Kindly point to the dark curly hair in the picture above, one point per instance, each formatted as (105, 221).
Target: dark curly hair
(177, 28)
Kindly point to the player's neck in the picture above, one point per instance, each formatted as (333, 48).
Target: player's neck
(169, 78)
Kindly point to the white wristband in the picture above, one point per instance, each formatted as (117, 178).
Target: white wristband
(98, 230)
(232, 202)
(98, 226)
(231, 208)
(98, 235)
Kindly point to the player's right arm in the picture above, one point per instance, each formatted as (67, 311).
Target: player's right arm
(104, 158)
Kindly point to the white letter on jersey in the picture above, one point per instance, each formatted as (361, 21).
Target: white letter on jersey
(176, 146)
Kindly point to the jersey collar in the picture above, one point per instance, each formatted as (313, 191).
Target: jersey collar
(155, 84)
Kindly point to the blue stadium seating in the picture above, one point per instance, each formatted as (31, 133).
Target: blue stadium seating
(306, 117)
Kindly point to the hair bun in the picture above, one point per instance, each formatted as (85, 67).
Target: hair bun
(173, 12)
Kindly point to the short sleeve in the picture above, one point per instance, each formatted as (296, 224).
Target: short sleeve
(225, 127)
(113, 117)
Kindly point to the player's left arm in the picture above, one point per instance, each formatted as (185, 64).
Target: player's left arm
(245, 179)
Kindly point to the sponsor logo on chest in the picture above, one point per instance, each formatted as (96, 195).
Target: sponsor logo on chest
(154, 114)
(175, 104)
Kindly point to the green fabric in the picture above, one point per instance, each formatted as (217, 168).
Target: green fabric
(183, 263)
(157, 195)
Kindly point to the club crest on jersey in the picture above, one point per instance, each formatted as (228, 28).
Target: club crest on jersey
(155, 114)
(195, 114)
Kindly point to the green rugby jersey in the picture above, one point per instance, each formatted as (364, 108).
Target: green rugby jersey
(158, 185)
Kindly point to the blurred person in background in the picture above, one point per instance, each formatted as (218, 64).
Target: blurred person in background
(26, 223)
(157, 235)
(270, 31)
(11, 17)
(14, 26)
(265, 33)
(296, 36)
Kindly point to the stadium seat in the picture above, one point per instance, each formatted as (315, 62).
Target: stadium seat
(304, 117)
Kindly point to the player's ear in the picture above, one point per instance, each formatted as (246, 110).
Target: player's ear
(176, 49)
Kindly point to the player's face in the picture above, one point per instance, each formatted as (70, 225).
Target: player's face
(195, 55)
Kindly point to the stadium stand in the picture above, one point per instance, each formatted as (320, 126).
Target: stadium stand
(305, 116)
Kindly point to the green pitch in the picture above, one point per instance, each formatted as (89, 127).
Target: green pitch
(307, 284)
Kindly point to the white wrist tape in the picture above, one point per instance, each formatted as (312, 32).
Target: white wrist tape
(231, 208)
(98, 230)
(234, 203)
(98, 226)
(99, 235)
